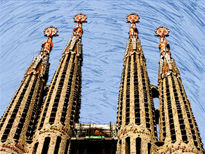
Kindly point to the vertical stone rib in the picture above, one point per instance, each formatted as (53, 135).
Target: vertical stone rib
(67, 87)
(183, 108)
(141, 93)
(144, 148)
(122, 148)
(78, 96)
(132, 93)
(146, 107)
(168, 115)
(57, 105)
(132, 142)
(136, 95)
(71, 95)
(180, 111)
(128, 93)
(174, 111)
(52, 101)
(163, 117)
(150, 117)
(120, 99)
(124, 95)
(33, 120)
(14, 109)
(152, 111)
(25, 115)
(50, 92)
(21, 107)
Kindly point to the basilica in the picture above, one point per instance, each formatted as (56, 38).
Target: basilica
(44, 119)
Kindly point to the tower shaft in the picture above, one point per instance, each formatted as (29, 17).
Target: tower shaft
(135, 119)
(177, 124)
(178, 128)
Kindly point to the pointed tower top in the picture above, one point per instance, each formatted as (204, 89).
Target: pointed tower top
(133, 35)
(78, 30)
(80, 18)
(37, 65)
(51, 31)
(133, 18)
(162, 31)
(166, 61)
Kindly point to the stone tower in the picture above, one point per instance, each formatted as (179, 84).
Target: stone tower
(17, 123)
(60, 110)
(178, 128)
(135, 118)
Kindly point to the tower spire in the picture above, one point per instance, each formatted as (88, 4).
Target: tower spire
(135, 118)
(38, 64)
(178, 128)
(60, 110)
(133, 32)
(17, 123)
(166, 64)
(78, 30)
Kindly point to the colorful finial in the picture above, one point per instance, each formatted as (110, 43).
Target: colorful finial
(133, 32)
(162, 31)
(78, 30)
(48, 44)
(133, 18)
(80, 18)
(51, 31)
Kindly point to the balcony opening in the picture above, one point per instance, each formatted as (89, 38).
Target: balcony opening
(46, 145)
(138, 145)
(67, 146)
(58, 141)
(127, 145)
(149, 148)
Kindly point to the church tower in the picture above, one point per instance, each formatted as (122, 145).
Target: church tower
(17, 122)
(178, 128)
(60, 110)
(135, 118)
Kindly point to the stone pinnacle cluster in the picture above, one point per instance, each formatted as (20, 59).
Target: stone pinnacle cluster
(44, 119)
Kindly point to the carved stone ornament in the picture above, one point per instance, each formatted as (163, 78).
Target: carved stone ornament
(51, 31)
(133, 18)
(80, 18)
